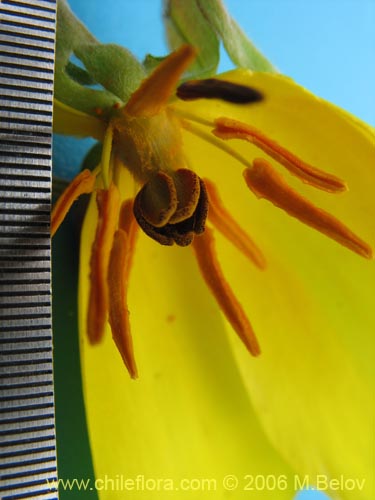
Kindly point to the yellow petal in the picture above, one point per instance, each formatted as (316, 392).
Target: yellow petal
(312, 309)
(312, 397)
(67, 120)
(320, 133)
(188, 415)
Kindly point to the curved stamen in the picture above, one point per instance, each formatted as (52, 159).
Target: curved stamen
(206, 256)
(83, 183)
(228, 227)
(225, 128)
(267, 183)
(119, 268)
(108, 202)
(232, 129)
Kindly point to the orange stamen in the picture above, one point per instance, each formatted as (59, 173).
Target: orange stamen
(155, 92)
(227, 225)
(264, 182)
(206, 256)
(118, 281)
(108, 206)
(233, 129)
(83, 183)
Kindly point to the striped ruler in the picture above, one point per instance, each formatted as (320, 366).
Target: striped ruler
(27, 423)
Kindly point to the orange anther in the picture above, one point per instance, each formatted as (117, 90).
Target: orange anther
(233, 129)
(219, 216)
(118, 281)
(108, 207)
(206, 256)
(84, 182)
(267, 183)
(155, 92)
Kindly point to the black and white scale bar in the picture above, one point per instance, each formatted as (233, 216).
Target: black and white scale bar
(27, 424)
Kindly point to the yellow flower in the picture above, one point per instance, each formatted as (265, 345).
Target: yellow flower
(200, 393)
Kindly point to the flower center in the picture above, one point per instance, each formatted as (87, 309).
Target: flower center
(171, 207)
(172, 204)
(147, 145)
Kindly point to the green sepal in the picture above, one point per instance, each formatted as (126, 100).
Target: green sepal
(79, 75)
(112, 66)
(151, 62)
(115, 68)
(185, 24)
(82, 98)
(240, 49)
(73, 446)
(70, 34)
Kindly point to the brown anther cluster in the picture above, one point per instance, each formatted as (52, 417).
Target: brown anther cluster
(172, 207)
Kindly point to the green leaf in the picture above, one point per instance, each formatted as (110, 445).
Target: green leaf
(73, 447)
(58, 186)
(185, 24)
(93, 157)
(239, 48)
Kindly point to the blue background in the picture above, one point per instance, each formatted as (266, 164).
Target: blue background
(327, 46)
